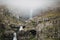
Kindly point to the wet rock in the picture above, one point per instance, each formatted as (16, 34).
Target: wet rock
(26, 35)
(20, 35)
(2, 29)
(8, 35)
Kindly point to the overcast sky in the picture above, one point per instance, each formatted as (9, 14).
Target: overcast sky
(23, 7)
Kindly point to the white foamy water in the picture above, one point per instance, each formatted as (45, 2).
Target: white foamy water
(14, 38)
(21, 28)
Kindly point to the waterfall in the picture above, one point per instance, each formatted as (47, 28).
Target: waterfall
(21, 28)
(31, 11)
(15, 38)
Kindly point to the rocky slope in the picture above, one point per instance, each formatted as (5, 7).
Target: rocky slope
(46, 25)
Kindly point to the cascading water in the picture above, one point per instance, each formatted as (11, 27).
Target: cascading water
(15, 38)
(31, 11)
(21, 28)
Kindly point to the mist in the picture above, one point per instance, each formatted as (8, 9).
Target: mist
(22, 7)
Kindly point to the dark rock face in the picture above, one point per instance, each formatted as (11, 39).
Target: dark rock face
(5, 34)
(2, 26)
(33, 32)
(20, 35)
(25, 35)
(2, 29)
(8, 35)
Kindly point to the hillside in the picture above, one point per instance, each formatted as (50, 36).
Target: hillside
(6, 19)
(47, 25)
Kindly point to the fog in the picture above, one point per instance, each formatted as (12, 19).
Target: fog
(23, 8)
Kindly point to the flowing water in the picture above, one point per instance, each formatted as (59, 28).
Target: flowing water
(21, 28)
(31, 12)
(15, 36)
